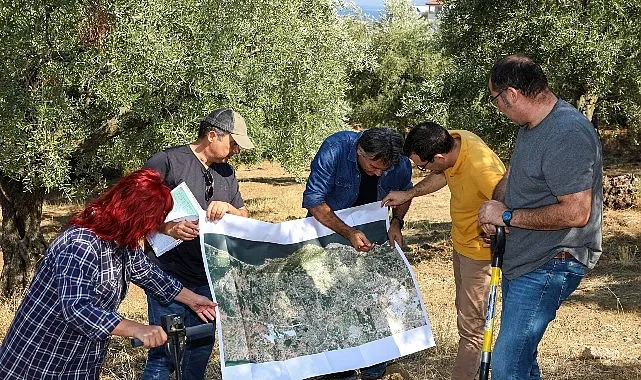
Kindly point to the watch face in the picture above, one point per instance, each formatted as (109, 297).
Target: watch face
(507, 216)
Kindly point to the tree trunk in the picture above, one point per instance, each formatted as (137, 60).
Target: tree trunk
(587, 105)
(22, 242)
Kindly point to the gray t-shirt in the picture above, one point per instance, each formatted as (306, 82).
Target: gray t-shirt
(559, 156)
(179, 164)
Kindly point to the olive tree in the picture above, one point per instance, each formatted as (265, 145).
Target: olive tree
(95, 84)
(395, 81)
(589, 50)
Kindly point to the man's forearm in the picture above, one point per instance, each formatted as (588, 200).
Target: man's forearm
(573, 210)
(398, 213)
(324, 214)
(431, 183)
(400, 210)
(239, 211)
(499, 191)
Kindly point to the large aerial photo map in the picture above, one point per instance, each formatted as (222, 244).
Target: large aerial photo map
(287, 305)
(315, 300)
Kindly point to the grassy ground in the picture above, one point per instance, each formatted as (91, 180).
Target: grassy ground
(605, 312)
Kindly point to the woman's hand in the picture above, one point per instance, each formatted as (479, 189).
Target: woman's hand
(150, 336)
(203, 306)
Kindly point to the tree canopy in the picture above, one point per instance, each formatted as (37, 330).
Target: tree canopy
(94, 85)
(589, 50)
(395, 81)
(86, 85)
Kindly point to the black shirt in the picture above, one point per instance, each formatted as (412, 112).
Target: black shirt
(368, 189)
(179, 164)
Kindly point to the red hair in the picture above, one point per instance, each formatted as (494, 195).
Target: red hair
(129, 210)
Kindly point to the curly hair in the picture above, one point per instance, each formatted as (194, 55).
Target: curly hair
(382, 143)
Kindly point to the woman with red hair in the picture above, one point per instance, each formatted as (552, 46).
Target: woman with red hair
(63, 326)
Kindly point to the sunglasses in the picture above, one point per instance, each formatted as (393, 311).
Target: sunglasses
(209, 185)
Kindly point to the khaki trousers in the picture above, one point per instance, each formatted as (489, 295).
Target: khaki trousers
(472, 280)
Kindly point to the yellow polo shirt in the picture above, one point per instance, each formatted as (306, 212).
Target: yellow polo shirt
(471, 180)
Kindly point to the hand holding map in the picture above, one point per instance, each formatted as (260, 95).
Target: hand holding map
(186, 208)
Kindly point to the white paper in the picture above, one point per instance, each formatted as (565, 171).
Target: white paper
(186, 207)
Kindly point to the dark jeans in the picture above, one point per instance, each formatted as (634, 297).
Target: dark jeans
(369, 373)
(196, 353)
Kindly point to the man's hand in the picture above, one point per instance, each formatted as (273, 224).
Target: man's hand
(394, 233)
(201, 305)
(217, 209)
(359, 241)
(486, 239)
(491, 215)
(183, 230)
(395, 198)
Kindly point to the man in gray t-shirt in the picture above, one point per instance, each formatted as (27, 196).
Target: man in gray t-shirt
(551, 201)
(203, 166)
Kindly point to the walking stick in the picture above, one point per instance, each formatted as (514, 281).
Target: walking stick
(498, 248)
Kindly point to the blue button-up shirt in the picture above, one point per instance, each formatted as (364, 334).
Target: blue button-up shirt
(62, 328)
(335, 178)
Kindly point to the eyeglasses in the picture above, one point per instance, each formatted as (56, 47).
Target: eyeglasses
(209, 185)
(424, 166)
(494, 100)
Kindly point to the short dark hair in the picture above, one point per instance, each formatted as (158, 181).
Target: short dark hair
(519, 72)
(427, 139)
(383, 143)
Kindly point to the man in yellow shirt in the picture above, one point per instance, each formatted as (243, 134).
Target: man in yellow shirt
(461, 160)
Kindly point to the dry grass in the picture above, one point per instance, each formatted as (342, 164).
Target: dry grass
(604, 312)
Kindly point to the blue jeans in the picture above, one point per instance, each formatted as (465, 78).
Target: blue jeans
(530, 303)
(196, 353)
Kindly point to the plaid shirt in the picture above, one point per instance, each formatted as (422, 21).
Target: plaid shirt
(63, 326)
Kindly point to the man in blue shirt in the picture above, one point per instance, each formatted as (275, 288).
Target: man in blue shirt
(352, 169)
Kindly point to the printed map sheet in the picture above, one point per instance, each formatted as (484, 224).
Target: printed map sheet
(295, 300)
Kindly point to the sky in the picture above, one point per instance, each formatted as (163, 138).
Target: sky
(379, 3)
(371, 6)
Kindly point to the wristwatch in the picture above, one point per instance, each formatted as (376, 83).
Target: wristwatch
(507, 217)
(400, 220)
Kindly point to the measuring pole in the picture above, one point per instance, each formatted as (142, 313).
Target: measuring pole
(498, 248)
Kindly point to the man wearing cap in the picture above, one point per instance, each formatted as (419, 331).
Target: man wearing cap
(203, 166)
